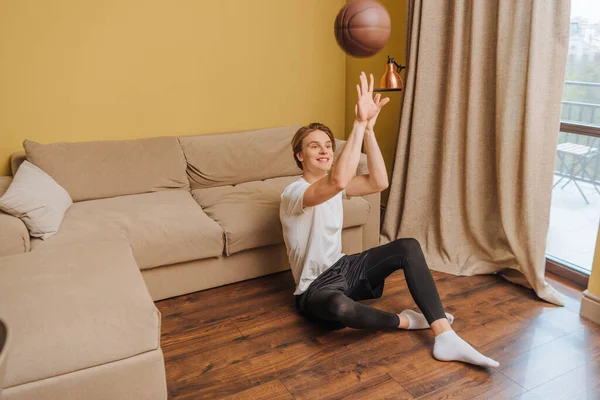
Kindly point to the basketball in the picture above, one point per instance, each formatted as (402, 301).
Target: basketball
(362, 28)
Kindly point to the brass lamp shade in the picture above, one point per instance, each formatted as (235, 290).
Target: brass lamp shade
(391, 78)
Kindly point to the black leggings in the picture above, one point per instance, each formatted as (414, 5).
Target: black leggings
(381, 261)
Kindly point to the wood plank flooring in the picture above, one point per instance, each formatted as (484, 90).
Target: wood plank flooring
(245, 341)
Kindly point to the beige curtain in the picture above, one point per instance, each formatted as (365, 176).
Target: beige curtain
(472, 178)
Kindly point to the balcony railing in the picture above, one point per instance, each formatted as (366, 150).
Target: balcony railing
(582, 165)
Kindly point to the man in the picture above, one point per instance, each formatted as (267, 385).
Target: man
(330, 284)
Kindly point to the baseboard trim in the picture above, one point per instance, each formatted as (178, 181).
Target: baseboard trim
(590, 307)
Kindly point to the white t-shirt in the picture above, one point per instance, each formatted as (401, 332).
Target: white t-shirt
(313, 235)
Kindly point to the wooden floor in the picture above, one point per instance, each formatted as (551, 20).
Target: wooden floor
(245, 341)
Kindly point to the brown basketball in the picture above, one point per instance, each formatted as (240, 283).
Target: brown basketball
(362, 28)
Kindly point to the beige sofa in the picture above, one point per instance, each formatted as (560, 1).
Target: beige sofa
(189, 213)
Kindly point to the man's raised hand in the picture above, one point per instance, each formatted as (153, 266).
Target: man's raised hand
(366, 108)
(380, 103)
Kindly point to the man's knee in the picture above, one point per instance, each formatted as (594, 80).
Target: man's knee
(410, 245)
(340, 307)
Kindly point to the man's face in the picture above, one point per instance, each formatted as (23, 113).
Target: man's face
(317, 152)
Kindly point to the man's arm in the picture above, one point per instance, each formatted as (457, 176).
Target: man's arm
(341, 172)
(344, 168)
(376, 180)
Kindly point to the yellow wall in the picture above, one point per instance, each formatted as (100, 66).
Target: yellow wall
(594, 283)
(74, 70)
(388, 121)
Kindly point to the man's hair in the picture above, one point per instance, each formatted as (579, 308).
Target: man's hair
(305, 131)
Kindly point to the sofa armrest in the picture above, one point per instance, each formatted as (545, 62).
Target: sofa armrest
(14, 236)
(16, 159)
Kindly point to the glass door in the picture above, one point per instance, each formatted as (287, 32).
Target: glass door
(575, 212)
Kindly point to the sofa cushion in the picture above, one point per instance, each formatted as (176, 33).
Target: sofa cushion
(163, 228)
(96, 170)
(37, 200)
(249, 212)
(74, 307)
(232, 158)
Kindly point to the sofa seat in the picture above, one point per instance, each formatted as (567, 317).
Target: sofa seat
(165, 227)
(74, 307)
(249, 212)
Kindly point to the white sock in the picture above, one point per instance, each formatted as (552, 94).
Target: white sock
(417, 320)
(449, 346)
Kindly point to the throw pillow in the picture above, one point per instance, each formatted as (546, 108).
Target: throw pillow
(36, 198)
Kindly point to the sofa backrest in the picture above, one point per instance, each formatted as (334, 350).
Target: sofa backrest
(233, 158)
(96, 170)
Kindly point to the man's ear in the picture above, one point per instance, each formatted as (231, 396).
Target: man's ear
(299, 157)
